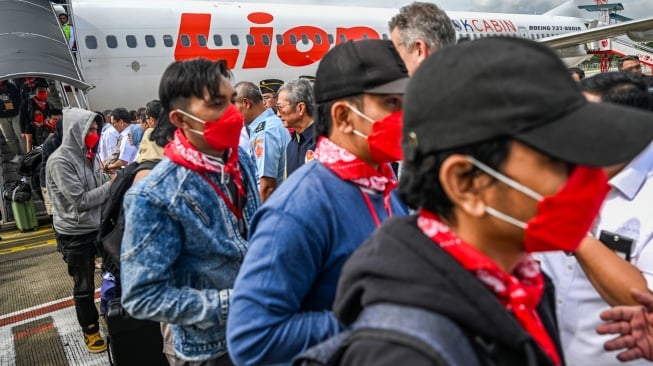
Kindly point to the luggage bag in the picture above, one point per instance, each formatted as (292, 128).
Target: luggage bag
(25, 215)
(133, 341)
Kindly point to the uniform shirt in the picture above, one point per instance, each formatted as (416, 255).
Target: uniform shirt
(301, 149)
(626, 212)
(267, 146)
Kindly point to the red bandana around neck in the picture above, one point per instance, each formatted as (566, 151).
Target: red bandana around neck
(519, 292)
(41, 104)
(348, 166)
(183, 153)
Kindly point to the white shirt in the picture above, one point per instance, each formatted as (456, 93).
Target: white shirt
(243, 142)
(127, 150)
(108, 140)
(626, 211)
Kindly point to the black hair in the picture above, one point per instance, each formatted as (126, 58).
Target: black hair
(183, 79)
(121, 114)
(623, 88)
(578, 71)
(323, 121)
(420, 185)
(620, 63)
(153, 109)
(164, 130)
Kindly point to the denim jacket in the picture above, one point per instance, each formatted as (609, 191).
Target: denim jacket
(181, 252)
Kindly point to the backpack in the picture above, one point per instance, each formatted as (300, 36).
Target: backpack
(433, 335)
(22, 192)
(30, 163)
(112, 224)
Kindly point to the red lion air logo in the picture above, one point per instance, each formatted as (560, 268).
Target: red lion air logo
(257, 54)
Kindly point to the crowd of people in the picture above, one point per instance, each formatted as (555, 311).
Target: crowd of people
(349, 218)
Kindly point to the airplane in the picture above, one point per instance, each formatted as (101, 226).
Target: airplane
(123, 46)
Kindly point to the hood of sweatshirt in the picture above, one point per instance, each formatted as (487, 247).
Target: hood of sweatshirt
(76, 126)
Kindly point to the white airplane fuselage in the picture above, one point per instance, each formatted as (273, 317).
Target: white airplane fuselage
(124, 46)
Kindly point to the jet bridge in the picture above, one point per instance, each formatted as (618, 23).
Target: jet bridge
(32, 43)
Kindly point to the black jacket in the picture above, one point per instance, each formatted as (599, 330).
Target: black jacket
(399, 264)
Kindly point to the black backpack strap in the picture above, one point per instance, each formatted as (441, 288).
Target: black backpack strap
(326, 353)
(431, 334)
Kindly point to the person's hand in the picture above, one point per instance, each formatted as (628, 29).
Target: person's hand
(634, 325)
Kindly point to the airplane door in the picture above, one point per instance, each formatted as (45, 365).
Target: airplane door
(523, 33)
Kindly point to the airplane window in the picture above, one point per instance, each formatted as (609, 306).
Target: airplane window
(343, 39)
(266, 40)
(167, 40)
(112, 41)
(293, 39)
(304, 39)
(185, 40)
(318, 39)
(365, 36)
(234, 40)
(149, 41)
(330, 38)
(384, 36)
(279, 39)
(217, 40)
(250, 39)
(131, 41)
(91, 42)
(201, 40)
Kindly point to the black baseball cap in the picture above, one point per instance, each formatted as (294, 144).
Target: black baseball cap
(355, 67)
(508, 87)
(270, 85)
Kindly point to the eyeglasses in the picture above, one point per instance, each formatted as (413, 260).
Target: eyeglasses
(280, 106)
(92, 129)
(266, 97)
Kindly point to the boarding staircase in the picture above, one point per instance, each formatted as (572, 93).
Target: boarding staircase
(624, 46)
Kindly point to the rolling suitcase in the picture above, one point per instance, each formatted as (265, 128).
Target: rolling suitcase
(133, 341)
(22, 206)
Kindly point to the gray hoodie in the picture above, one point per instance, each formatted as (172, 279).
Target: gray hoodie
(75, 184)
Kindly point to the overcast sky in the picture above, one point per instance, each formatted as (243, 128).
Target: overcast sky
(633, 8)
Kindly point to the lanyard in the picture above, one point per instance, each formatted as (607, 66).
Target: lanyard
(370, 207)
(237, 212)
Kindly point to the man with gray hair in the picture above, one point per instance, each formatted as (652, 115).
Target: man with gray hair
(419, 30)
(295, 107)
(268, 138)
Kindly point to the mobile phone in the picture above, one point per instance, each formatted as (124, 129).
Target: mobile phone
(617, 242)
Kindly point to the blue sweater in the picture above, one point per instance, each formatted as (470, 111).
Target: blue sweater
(299, 241)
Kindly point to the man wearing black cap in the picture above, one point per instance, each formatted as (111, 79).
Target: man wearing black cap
(286, 286)
(496, 171)
(269, 88)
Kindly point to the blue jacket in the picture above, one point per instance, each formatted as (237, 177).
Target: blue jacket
(181, 252)
(299, 241)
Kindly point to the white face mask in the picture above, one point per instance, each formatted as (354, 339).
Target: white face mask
(362, 115)
(201, 133)
(512, 184)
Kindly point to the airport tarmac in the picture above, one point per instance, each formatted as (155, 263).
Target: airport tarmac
(38, 325)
